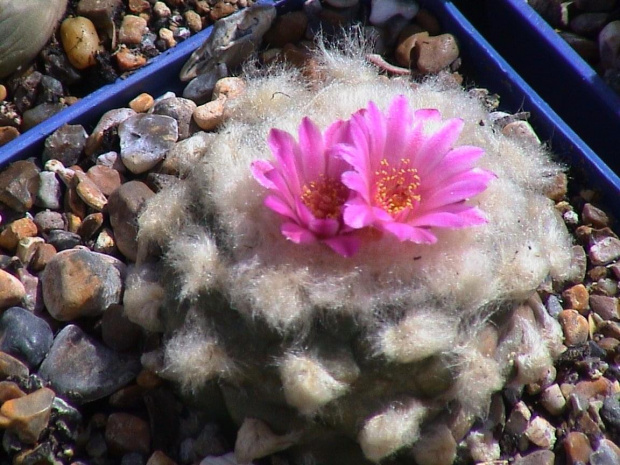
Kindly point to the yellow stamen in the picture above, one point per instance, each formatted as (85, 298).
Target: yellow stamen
(324, 197)
(396, 186)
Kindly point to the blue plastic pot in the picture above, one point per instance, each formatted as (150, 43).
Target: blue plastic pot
(483, 65)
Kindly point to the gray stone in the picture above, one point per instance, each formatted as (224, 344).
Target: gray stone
(145, 139)
(40, 113)
(48, 220)
(609, 45)
(117, 331)
(49, 194)
(605, 250)
(606, 307)
(65, 144)
(539, 457)
(588, 24)
(81, 369)
(181, 109)
(25, 336)
(200, 89)
(19, 184)
(63, 240)
(108, 121)
(80, 283)
(124, 205)
(605, 454)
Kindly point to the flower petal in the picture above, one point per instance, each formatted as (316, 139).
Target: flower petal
(297, 233)
(258, 169)
(345, 245)
(438, 144)
(275, 203)
(311, 149)
(398, 122)
(324, 227)
(461, 187)
(286, 152)
(406, 232)
(358, 214)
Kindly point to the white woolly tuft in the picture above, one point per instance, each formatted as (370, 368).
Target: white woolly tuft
(143, 297)
(396, 427)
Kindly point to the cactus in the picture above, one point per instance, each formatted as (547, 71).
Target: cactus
(348, 359)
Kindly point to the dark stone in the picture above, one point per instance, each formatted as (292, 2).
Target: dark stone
(40, 113)
(610, 413)
(81, 369)
(25, 336)
(180, 109)
(51, 90)
(19, 184)
(63, 240)
(65, 144)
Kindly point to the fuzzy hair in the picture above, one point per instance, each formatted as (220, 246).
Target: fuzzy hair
(400, 306)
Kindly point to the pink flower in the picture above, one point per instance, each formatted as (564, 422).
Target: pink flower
(407, 175)
(306, 187)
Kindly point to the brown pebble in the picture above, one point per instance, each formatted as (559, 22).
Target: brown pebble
(541, 433)
(167, 36)
(432, 54)
(43, 253)
(287, 28)
(193, 21)
(90, 225)
(402, 53)
(3, 92)
(606, 307)
(10, 366)
(28, 416)
(105, 178)
(125, 433)
(129, 60)
(128, 397)
(600, 387)
(229, 87)
(73, 221)
(88, 191)
(139, 6)
(148, 379)
(131, 30)
(538, 457)
(210, 115)
(577, 447)
(594, 216)
(73, 203)
(427, 21)
(7, 134)
(610, 329)
(142, 103)
(575, 327)
(15, 231)
(80, 41)
(577, 298)
(221, 9)
(26, 247)
(12, 291)
(608, 344)
(9, 390)
(19, 184)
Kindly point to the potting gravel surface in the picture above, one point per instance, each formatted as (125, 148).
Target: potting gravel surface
(63, 325)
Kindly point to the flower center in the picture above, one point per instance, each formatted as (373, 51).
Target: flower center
(396, 186)
(324, 197)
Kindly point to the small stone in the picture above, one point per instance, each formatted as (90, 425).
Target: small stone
(229, 87)
(124, 205)
(181, 109)
(78, 283)
(110, 120)
(210, 115)
(25, 336)
(609, 45)
(577, 447)
(49, 194)
(162, 10)
(63, 240)
(405, 45)
(553, 400)
(47, 220)
(383, 10)
(200, 89)
(126, 433)
(167, 36)
(89, 192)
(594, 217)
(432, 54)
(142, 103)
(80, 41)
(81, 369)
(607, 307)
(589, 24)
(100, 12)
(9, 390)
(41, 257)
(574, 326)
(106, 179)
(287, 28)
(160, 458)
(19, 184)
(518, 419)
(131, 30)
(66, 144)
(129, 59)
(40, 113)
(221, 10)
(586, 48)
(541, 433)
(28, 416)
(26, 247)
(590, 390)
(105, 243)
(7, 134)
(16, 231)
(193, 21)
(12, 291)
(139, 6)
(607, 453)
(577, 298)
(539, 457)
(90, 225)
(604, 251)
(482, 446)
(117, 331)
(523, 131)
(11, 367)
(145, 139)
(610, 413)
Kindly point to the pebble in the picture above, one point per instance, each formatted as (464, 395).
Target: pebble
(28, 416)
(12, 291)
(181, 109)
(145, 139)
(15, 231)
(142, 103)
(553, 400)
(42, 255)
(577, 298)
(66, 144)
(160, 458)
(609, 45)
(604, 251)
(25, 336)
(574, 326)
(589, 24)
(90, 225)
(167, 36)
(383, 10)
(40, 113)
(81, 369)
(7, 134)
(193, 21)
(19, 184)
(606, 307)
(200, 89)
(610, 412)
(80, 41)
(49, 194)
(607, 453)
(89, 192)
(11, 367)
(229, 88)
(586, 48)
(10, 390)
(210, 115)
(124, 205)
(100, 12)
(108, 121)
(131, 30)
(106, 179)
(287, 28)
(129, 59)
(577, 448)
(220, 10)
(80, 283)
(541, 433)
(518, 419)
(126, 433)
(63, 240)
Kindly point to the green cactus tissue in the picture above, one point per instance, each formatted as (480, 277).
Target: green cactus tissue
(353, 262)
